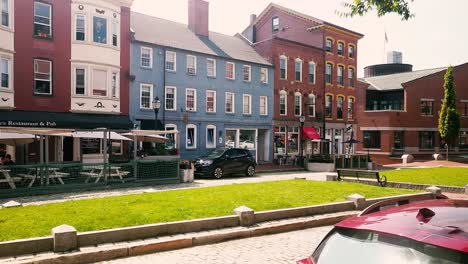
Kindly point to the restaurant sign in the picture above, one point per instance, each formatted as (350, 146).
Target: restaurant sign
(27, 124)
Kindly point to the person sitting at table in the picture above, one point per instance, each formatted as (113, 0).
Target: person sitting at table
(7, 161)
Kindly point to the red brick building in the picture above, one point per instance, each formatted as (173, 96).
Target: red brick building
(398, 113)
(315, 76)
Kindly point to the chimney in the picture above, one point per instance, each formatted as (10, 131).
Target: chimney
(198, 17)
(253, 17)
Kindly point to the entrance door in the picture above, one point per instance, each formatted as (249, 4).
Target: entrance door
(67, 149)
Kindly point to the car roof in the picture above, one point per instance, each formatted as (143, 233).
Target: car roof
(447, 228)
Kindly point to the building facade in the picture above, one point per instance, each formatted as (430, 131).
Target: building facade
(315, 76)
(65, 64)
(398, 113)
(215, 89)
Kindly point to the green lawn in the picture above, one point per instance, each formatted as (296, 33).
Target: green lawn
(131, 210)
(436, 176)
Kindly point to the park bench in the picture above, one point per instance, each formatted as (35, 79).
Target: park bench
(370, 174)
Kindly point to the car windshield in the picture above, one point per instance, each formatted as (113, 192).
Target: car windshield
(216, 153)
(365, 247)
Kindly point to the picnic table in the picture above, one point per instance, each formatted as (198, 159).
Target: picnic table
(53, 174)
(99, 172)
(8, 179)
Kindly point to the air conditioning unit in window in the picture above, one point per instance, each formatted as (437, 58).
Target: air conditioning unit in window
(190, 109)
(191, 71)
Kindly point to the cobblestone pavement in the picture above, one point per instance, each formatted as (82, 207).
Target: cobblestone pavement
(272, 249)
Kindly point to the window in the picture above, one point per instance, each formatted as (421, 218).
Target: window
(426, 139)
(464, 108)
(351, 51)
(80, 28)
(329, 45)
(5, 8)
(372, 139)
(210, 137)
(230, 100)
(312, 72)
(42, 77)
(328, 106)
(211, 68)
(146, 95)
(351, 77)
(191, 64)
(399, 139)
(264, 75)
(263, 105)
(311, 105)
(293, 140)
(298, 70)
(146, 57)
(115, 85)
(340, 75)
(283, 67)
(230, 70)
(340, 48)
(463, 140)
(328, 73)
(5, 73)
(211, 101)
(172, 144)
(427, 107)
(339, 107)
(191, 137)
(42, 20)
(99, 82)
(247, 70)
(247, 104)
(115, 34)
(100, 30)
(297, 104)
(275, 24)
(283, 102)
(279, 143)
(80, 77)
(171, 61)
(350, 108)
(171, 99)
(190, 100)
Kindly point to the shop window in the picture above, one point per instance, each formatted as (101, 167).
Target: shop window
(190, 100)
(210, 137)
(398, 140)
(211, 101)
(293, 140)
(172, 143)
(230, 70)
(247, 71)
(80, 80)
(171, 60)
(231, 139)
(99, 30)
(191, 137)
(146, 96)
(191, 65)
(42, 77)
(427, 107)
(117, 147)
(280, 140)
(247, 139)
(211, 68)
(42, 20)
(170, 103)
(230, 98)
(80, 28)
(99, 82)
(426, 139)
(372, 139)
(90, 146)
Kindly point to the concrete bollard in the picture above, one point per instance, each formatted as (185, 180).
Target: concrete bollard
(438, 156)
(332, 177)
(434, 190)
(407, 158)
(246, 215)
(65, 238)
(358, 200)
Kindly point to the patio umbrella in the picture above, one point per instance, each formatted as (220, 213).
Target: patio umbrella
(352, 141)
(147, 138)
(15, 139)
(100, 135)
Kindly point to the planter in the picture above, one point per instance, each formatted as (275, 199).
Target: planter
(371, 166)
(186, 175)
(163, 158)
(320, 167)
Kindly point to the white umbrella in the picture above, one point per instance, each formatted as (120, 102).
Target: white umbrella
(15, 139)
(147, 138)
(100, 135)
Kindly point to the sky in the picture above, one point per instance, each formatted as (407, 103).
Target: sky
(437, 36)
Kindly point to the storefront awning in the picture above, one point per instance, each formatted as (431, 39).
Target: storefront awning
(310, 133)
(33, 119)
(14, 139)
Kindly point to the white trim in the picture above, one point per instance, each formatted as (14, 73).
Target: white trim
(250, 104)
(9, 72)
(264, 70)
(151, 87)
(175, 61)
(298, 94)
(315, 72)
(214, 137)
(250, 73)
(174, 127)
(74, 69)
(174, 100)
(214, 68)
(266, 105)
(10, 13)
(42, 24)
(233, 106)
(50, 78)
(281, 57)
(194, 64)
(103, 69)
(194, 109)
(283, 92)
(107, 43)
(117, 85)
(300, 69)
(150, 57)
(398, 129)
(427, 100)
(194, 136)
(233, 70)
(85, 27)
(214, 101)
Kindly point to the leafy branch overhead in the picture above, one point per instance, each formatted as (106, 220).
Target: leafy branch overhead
(383, 7)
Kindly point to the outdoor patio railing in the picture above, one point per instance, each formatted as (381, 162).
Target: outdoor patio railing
(351, 161)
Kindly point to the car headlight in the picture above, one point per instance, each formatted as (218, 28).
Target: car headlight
(206, 162)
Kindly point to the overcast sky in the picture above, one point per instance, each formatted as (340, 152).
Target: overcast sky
(437, 36)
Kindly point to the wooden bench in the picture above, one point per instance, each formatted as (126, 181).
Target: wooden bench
(370, 174)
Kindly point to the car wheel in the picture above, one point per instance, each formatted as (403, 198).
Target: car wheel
(250, 171)
(218, 173)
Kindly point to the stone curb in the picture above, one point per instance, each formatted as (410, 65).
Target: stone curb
(411, 186)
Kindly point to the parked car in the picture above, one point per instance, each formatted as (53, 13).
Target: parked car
(221, 162)
(229, 144)
(433, 231)
(248, 144)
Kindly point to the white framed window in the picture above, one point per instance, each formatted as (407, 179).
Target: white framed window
(247, 72)
(170, 103)
(298, 70)
(210, 101)
(5, 69)
(80, 27)
(80, 81)
(351, 51)
(99, 82)
(5, 10)
(146, 96)
(297, 104)
(340, 71)
(100, 30)
(275, 24)
(340, 48)
(264, 75)
(230, 103)
(191, 137)
(115, 85)
(263, 105)
(42, 77)
(171, 61)
(311, 105)
(115, 33)
(283, 103)
(190, 100)
(329, 45)
(191, 65)
(210, 136)
(211, 68)
(283, 67)
(146, 57)
(172, 144)
(42, 20)
(312, 70)
(247, 104)
(230, 70)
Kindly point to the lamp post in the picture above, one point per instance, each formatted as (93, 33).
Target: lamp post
(301, 143)
(156, 105)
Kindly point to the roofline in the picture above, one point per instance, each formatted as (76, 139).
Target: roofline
(291, 41)
(444, 69)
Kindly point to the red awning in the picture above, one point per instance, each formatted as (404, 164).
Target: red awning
(310, 133)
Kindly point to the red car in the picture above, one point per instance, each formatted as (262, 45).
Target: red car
(397, 232)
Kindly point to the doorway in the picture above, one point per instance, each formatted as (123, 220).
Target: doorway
(68, 143)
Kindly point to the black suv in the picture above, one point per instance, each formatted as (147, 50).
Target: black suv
(221, 162)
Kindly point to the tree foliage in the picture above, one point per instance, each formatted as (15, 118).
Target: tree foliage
(449, 118)
(383, 7)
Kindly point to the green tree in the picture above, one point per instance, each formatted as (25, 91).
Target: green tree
(383, 7)
(449, 118)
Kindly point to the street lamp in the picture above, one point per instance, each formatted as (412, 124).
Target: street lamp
(156, 105)
(301, 146)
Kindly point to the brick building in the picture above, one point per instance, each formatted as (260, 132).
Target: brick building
(315, 76)
(398, 113)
